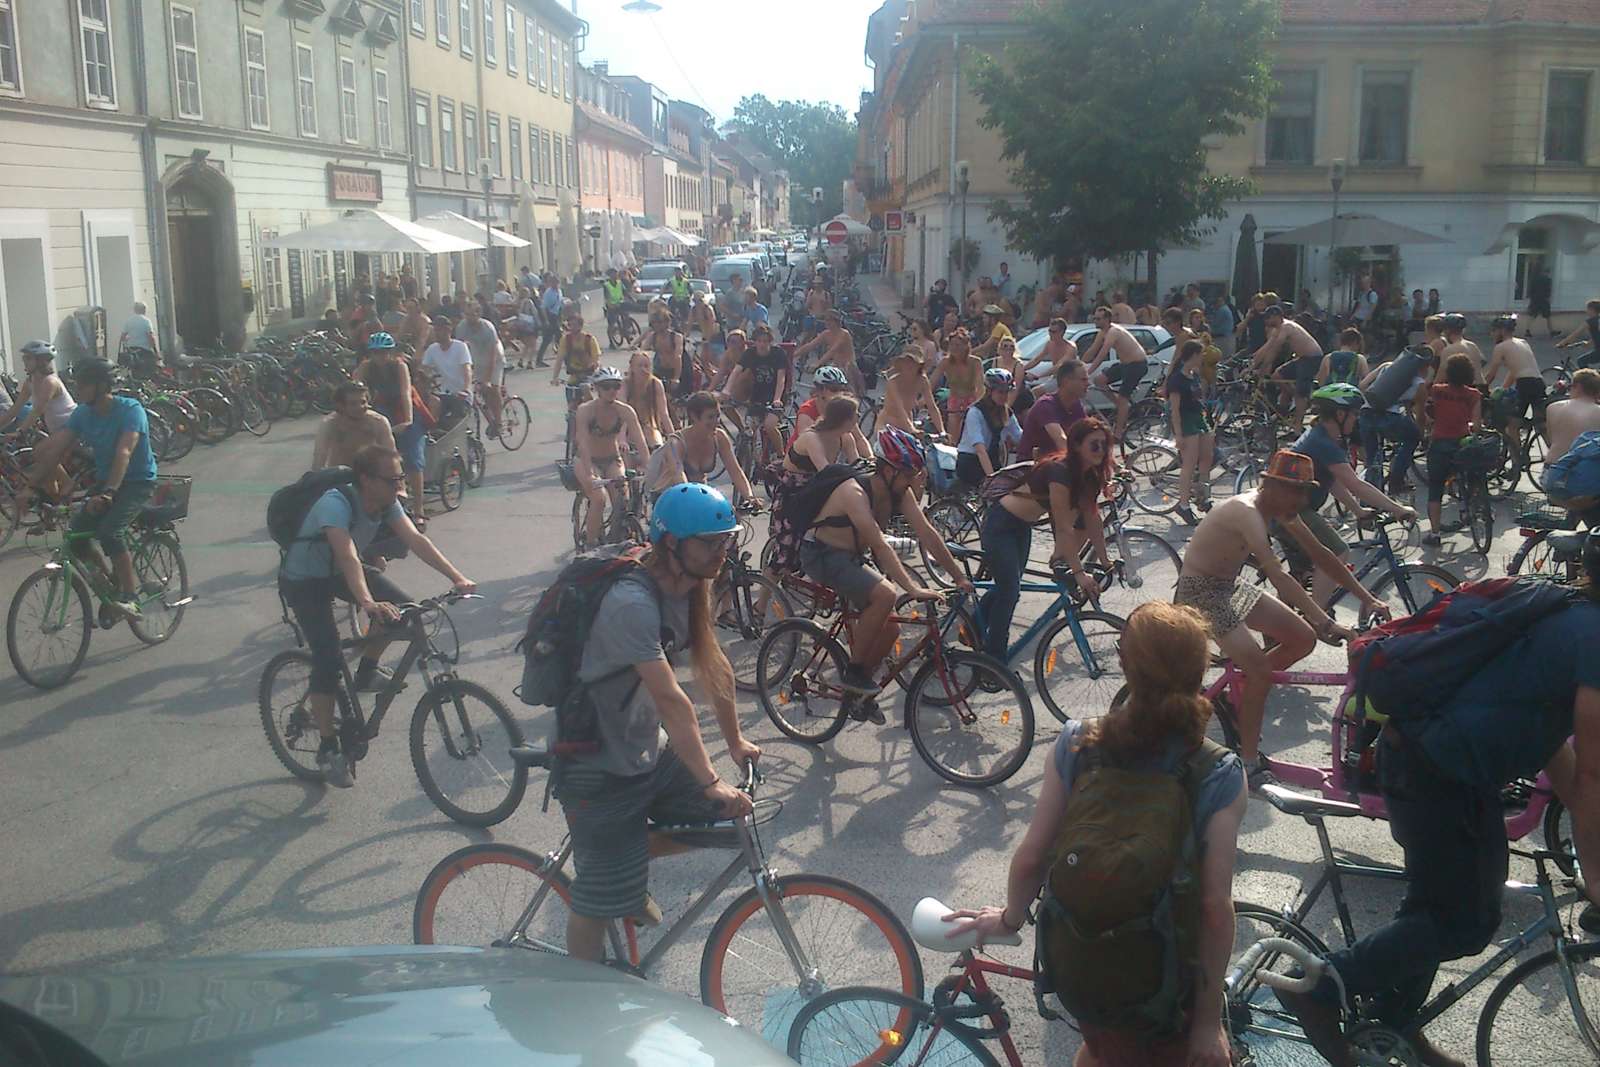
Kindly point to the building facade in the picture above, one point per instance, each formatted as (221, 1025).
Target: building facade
(611, 153)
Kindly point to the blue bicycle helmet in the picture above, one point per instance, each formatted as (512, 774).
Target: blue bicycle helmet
(690, 509)
(380, 342)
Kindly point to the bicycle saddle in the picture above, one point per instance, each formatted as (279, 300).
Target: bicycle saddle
(1291, 803)
(1567, 547)
(928, 929)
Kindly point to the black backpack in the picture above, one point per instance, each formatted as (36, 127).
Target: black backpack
(287, 509)
(796, 511)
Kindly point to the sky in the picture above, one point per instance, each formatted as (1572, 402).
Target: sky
(703, 51)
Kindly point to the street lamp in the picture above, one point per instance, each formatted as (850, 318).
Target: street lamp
(1336, 179)
(486, 176)
(963, 183)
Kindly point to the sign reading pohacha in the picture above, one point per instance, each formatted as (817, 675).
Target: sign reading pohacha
(355, 184)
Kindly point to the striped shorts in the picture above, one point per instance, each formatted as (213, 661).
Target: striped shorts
(609, 817)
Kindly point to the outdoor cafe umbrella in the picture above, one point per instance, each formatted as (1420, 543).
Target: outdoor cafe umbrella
(1355, 231)
(369, 231)
(1246, 271)
(459, 225)
(852, 227)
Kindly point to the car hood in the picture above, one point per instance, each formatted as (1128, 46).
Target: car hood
(401, 1007)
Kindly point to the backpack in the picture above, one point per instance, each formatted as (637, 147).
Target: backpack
(795, 511)
(557, 633)
(288, 506)
(1409, 668)
(1119, 914)
(1576, 474)
(1395, 378)
(1005, 481)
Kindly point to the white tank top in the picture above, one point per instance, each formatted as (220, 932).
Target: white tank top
(60, 408)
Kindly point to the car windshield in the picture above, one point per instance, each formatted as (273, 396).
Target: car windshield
(656, 271)
(700, 285)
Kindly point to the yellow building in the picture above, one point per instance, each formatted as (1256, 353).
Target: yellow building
(494, 81)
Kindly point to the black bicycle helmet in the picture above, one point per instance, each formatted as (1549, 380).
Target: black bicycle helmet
(1508, 321)
(39, 350)
(1455, 321)
(92, 372)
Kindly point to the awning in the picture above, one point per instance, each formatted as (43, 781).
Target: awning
(1584, 230)
(666, 235)
(373, 231)
(1355, 231)
(852, 227)
(459, 225)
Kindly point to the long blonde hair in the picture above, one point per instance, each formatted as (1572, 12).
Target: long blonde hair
(711, 667)
(1164, 655)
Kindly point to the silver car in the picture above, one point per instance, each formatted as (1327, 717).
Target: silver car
(1155, 340)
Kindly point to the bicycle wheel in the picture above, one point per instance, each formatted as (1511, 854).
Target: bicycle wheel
(1073, 678)
(215, 421)
(1529, 1018)
(1150, 569)
(477, 461)
(1558, 835)
(10, 514)
(48, 627)
(797, 677)
(162, 580)
(1536, 555)
(847, 937)
(180, 430)
(977, 728)
(515, 420)
(1480, 517)
(615, 334)
(1419, 583)
(453, 483)
(291, 729)
(1256, 1022)
(478, 895)
(251, 415)
(858, 1026)
(1155, 471)
(745, 612)
(959, 524)
(868, 419)
(461, 741)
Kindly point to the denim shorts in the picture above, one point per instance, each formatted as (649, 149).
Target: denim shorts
(841, 571)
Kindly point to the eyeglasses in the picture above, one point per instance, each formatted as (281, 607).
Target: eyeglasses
(716, 542)
(396, 480)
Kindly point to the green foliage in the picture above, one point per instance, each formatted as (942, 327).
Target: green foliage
(970, 253)
(814, 142)
(1103, 108)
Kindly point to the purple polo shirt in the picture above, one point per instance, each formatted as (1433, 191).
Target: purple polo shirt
(1045, 410)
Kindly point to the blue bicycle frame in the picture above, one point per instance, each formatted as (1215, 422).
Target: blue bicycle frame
(1064, 602)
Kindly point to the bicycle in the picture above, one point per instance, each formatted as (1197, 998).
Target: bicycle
(515, 419)
(820, 930)
(622, 330)
(1568, 973)
(445, 735)
(628, 516)
(861, 1025)
(1552, 545)
(970, 719)
(746, 603)
(578, 392)
(53, 603)
(1479, 456)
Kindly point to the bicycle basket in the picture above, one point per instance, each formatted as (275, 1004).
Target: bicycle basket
(569, 476)
(1479, 454)
(172, 495)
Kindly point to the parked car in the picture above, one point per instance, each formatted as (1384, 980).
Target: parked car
(703, 286)
(654, 274)
(360, 1007)
(1153, 339)
(721, 270)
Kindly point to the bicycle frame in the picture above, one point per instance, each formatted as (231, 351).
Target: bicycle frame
(417, 654)
(1064, 603)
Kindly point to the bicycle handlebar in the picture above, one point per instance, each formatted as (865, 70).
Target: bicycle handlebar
(1314, 966)
(433, 603)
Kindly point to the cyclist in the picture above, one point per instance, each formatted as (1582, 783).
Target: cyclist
(643, 392)
(1191, 428)
(488, 359)
(851, 523)
(643, 621)
(990, 428)
(450, 360)
(1534, 706)
(1132, 364)
(1347, 364)
(1455, 328)
(671, 362)
(352, 427)
(1233, 531)
(1566, 419)
(1455, 406)
(678, 296)
(42, 389)
(690, 454)
(118, 434)
(961, 373)
(838, 350)
(388, 377)
(1336, 411)
(751, 310)
(1057, 349)
(1163, 652)
(1590, 331)
(1515, 356)
(1045, 428)
(1392, 411)
(604, 426)
(324, 563)
(1298, 366)
(704, 319)
(1066, 486)
(908, 391)
(615, 296)
(835, 437)
(578, 351)
(766, 367)
(827, 383)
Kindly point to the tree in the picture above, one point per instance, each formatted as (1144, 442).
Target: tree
(1104, 108)
(814, 142)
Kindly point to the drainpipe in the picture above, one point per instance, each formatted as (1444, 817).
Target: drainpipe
(955, 116)
(154, 195)
(408, 110)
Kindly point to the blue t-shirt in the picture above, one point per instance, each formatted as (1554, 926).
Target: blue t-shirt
(1221, 322)
(754, 314)
(1325, 453)
(1512, 716)
(551, 300)
(101, 434)
(310, 557)
(1219, 788)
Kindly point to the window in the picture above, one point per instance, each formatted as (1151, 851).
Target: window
(469, 140)
(441, 20)
(99, 73)
(492, 130)
(514, 149)
(349, 126)
(1566, 117)
(305, 79)
(535, 163)
(544, 71)
(566, 64)
(422, 129)
(380, 108)
(572, 163)
(447, 134)
(255, 79)
(511, 41)
(466, 27)
(271, 275)
(544, 154)
(561, 163)
(1385, 116)
(1291, 118)
(10, 67)
(185, 63)
(530, 34)
(1533, 250)
(418, 17)
(488, 33)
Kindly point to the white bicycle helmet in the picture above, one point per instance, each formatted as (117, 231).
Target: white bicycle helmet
(606, 374)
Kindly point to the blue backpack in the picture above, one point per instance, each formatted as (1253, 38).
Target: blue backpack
(1576, 474)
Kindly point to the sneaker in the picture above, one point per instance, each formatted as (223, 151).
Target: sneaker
(992, 683)
(375, 681)
(129, 609)
(858, 680)
(867, 710)
(1259, 773)
(334, 767)
(1430, 539)
(1188, 516)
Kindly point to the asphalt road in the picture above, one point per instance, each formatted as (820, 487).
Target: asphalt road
(146, 817)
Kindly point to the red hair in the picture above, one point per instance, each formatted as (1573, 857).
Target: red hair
(1081, 478)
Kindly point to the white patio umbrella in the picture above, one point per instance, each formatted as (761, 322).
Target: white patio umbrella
(629, 235)
(569, 257)
(1355, 231)
(459, 225)
(373, 231)
(852, 227)
(533, 255)
(607, 242)
(687, 240)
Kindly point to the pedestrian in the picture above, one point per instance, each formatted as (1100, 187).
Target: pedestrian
(550, 303)
(1541, 288)
(138, 343)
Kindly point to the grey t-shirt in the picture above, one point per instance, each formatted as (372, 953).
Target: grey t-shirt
(634, 624)
(310, 556)
(484, 341)
(1217, 790)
